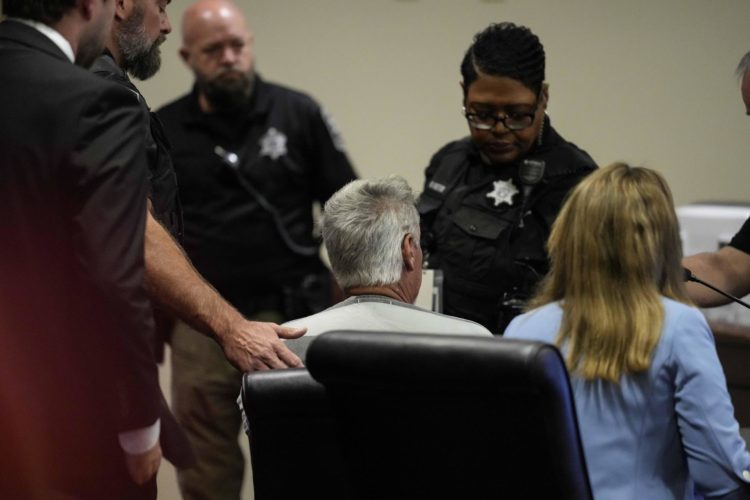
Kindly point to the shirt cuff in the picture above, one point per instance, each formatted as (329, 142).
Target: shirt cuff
(141, 440)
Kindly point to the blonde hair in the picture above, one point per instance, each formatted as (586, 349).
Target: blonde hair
(615, 250)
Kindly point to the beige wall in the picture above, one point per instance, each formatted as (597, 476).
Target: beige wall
(646, 81)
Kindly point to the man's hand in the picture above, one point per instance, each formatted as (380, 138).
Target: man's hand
(253, 345)
(175, 285)
(144, 466)
(728, 269)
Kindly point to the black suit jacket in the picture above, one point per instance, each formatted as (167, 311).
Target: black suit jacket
(76, 367)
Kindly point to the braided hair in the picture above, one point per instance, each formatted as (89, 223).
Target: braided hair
(508, 50)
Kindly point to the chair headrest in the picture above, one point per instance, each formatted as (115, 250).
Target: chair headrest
(346, 358)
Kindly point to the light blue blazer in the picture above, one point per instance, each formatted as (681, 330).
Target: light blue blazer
(663, 434)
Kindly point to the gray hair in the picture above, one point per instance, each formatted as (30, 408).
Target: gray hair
(743, 67)
(363, 225)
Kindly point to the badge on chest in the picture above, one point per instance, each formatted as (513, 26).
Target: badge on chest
(503, 192)
(273, 144)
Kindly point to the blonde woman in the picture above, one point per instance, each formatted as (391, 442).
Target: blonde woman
(654, 412)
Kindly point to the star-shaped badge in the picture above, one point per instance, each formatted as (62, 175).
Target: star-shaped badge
(273, 144)
(503, 192)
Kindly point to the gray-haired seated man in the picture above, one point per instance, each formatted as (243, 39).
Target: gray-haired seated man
(371, 233)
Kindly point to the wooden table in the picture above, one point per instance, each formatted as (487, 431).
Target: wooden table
(733, 346)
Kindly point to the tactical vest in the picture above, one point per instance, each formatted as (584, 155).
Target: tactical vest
(491, 264)
(163, 193)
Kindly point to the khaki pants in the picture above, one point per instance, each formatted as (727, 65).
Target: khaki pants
(204, 400)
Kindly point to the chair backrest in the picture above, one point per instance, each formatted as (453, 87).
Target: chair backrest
(293, 446)
(418, 416)
(428, 416)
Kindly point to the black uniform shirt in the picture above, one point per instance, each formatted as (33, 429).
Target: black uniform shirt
(161, 176)
(471, 225)
(287, 150)
(741, 240)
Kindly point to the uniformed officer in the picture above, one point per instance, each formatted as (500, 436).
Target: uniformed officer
(489, 199)
(251, 158)
(729, 267)
(138, 30)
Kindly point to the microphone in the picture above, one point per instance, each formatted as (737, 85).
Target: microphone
(229, 158)
(530, 174)
(232, 160)
(689, 276)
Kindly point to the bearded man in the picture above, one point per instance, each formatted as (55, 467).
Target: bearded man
(173, 284)
(133, 46)
(251, 159)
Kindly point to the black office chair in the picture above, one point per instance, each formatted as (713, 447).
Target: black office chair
(433, 416)
(293, 446)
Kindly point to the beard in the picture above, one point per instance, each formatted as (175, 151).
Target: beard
(140, 56)
(229, 92)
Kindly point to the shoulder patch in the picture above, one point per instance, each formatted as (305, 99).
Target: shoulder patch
(436, 186)
(338, 141)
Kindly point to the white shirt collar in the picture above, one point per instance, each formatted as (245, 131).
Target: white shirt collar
(50, 33)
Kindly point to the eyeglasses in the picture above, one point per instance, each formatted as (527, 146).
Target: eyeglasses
(512, 120)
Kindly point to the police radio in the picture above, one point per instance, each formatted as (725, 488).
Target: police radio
(530, 174)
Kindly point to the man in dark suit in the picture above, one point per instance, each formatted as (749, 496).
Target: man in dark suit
(79, 394)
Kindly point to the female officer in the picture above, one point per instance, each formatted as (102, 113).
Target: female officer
(489, 199)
